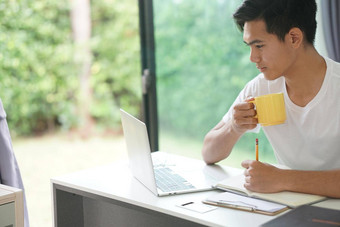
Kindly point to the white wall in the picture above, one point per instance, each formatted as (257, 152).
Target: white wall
(319, 37)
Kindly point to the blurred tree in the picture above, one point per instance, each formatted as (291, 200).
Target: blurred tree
(116, 70)
(39, 83)
(202, 63)
(81, 28)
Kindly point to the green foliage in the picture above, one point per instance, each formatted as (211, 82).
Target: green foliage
(202, 65)
(36, 64)
(39, 83)
(116, 66)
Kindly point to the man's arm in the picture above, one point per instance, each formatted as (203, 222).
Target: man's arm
(262, 177)
(219, 141)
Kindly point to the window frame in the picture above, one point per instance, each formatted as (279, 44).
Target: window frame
(148, 70)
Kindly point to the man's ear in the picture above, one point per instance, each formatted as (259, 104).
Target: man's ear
(295, 37)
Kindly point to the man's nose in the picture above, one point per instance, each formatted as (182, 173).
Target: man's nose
(254, 56)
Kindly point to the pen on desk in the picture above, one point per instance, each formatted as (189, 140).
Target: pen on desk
(257, 149)
(185, 204)
(231, 205)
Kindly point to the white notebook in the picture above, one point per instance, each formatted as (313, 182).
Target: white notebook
(291, 199)
(235, 201)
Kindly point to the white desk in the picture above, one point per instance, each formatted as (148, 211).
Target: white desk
(110, 196)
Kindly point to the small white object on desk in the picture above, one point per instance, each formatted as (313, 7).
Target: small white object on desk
(197, 207)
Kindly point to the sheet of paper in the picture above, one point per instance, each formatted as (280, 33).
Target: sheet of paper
(197, 207)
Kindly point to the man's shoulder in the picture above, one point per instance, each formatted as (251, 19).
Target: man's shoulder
(333, 67)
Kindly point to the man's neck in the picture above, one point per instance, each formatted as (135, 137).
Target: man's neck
(305, 79)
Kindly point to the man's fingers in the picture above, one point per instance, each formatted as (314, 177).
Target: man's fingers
(245, 121)
(245, 163)
(246, 185)
(243, 118)
(249, 99)
(242, 114)
(244, 106)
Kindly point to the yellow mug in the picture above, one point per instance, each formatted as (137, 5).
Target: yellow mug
(270, 109)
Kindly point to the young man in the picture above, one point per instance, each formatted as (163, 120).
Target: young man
(280, 34)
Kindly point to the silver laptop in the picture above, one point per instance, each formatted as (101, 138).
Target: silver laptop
(164, 173)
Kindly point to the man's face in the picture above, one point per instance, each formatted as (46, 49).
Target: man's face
(272, 56)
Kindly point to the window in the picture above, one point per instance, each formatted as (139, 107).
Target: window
(201, 64)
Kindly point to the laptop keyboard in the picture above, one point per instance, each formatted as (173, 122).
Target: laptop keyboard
(168, 181)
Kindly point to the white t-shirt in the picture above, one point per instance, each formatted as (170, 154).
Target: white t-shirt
(310, 137)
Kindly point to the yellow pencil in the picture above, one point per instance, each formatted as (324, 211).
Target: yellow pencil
(257, 149)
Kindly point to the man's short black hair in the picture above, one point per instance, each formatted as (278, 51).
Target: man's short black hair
(280, 16)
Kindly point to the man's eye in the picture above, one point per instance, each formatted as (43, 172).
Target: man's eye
(259, 46)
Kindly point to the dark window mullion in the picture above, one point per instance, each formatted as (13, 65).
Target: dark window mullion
(146, 27)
